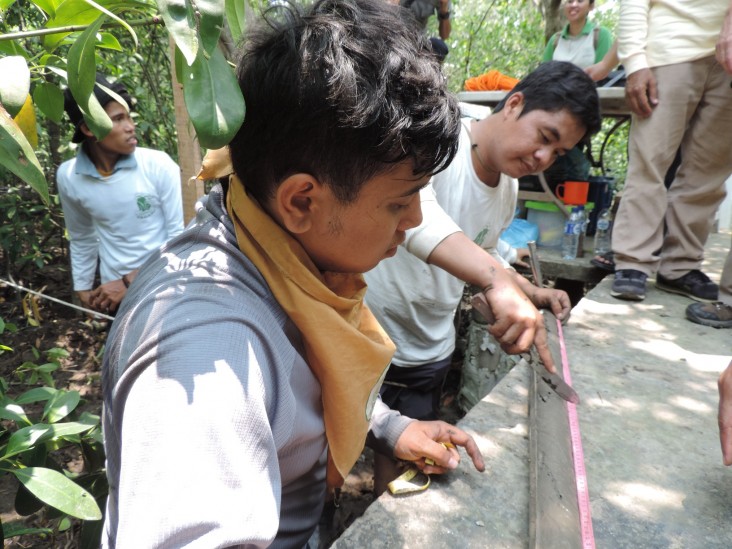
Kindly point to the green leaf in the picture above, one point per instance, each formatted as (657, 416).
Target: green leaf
(119, 20)
(211, 19)
(81, 12)
(61, 405)
(179, 62)
(50, 100)
(11, 47)
(109, 41)
(19, 528)
(38, 394)
(13, 411)
(56, 353)
(236, 18)
(82, 71)
(5, 4)
(27, 437)
(17, 155)
(15, 83)
(48, 6)
(56, 490)
(213, 99)
(180, 22)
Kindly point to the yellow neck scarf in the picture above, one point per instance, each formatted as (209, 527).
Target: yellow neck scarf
(345, 346)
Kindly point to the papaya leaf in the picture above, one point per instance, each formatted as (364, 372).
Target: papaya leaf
(61, 405)
(82, 72)
(213, 99)
(15, 83)
(236, 18)
(181, 24)
(17, 155)
(54, 489)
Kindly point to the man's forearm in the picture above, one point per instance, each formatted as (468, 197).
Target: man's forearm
(464, 259)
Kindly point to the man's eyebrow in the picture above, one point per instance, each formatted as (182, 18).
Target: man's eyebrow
(555, 132)
(415, 189)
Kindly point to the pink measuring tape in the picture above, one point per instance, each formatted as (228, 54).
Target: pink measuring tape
(578, 456)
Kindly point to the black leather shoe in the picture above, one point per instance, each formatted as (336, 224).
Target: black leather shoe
(694, 284)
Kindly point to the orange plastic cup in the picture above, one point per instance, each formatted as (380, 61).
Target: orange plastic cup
(573, 193)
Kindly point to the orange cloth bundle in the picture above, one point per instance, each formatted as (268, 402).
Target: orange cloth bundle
(491, 80)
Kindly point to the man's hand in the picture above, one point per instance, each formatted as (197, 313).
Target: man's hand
(85, 298)
(724, 45)
(598, 71)
(521, 255)
(555, 300)
(725, 414)
(518, 323)
(421, 440)
(107, 297)
(641, 92)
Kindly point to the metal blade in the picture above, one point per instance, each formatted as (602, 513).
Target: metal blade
(556, 383)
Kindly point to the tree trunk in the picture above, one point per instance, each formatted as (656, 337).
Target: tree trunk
(189, 151)
(552, 13)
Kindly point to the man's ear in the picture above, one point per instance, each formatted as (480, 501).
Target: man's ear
(296, 201)
(85, 130)
(514, 105)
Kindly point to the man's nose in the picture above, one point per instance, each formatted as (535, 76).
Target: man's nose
(413, 217)
(545, 158)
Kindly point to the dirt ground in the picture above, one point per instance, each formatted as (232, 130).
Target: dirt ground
(64, 327)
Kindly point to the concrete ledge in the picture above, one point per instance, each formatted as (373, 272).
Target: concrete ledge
(464, 508)
(647, 379)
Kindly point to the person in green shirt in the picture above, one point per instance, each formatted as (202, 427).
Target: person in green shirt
(581, 41)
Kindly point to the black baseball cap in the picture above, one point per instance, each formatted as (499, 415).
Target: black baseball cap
(72, 108)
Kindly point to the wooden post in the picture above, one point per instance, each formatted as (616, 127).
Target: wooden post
(189, 151)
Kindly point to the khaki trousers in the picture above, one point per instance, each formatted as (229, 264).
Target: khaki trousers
(725, 285)
(695, 114)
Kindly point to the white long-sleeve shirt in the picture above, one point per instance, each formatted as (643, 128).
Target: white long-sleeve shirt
(119, 219)
(653, 33)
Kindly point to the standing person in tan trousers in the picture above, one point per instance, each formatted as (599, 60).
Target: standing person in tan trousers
(681, 99)
(719, 314)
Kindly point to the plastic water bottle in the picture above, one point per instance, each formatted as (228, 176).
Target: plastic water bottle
(602, 233)
(583, 229)
(570, 239)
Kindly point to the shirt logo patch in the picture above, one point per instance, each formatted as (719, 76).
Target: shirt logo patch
(145, 205)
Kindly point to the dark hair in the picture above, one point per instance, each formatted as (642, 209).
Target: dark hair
(342, 90)
(558, 85)
(74, 113)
